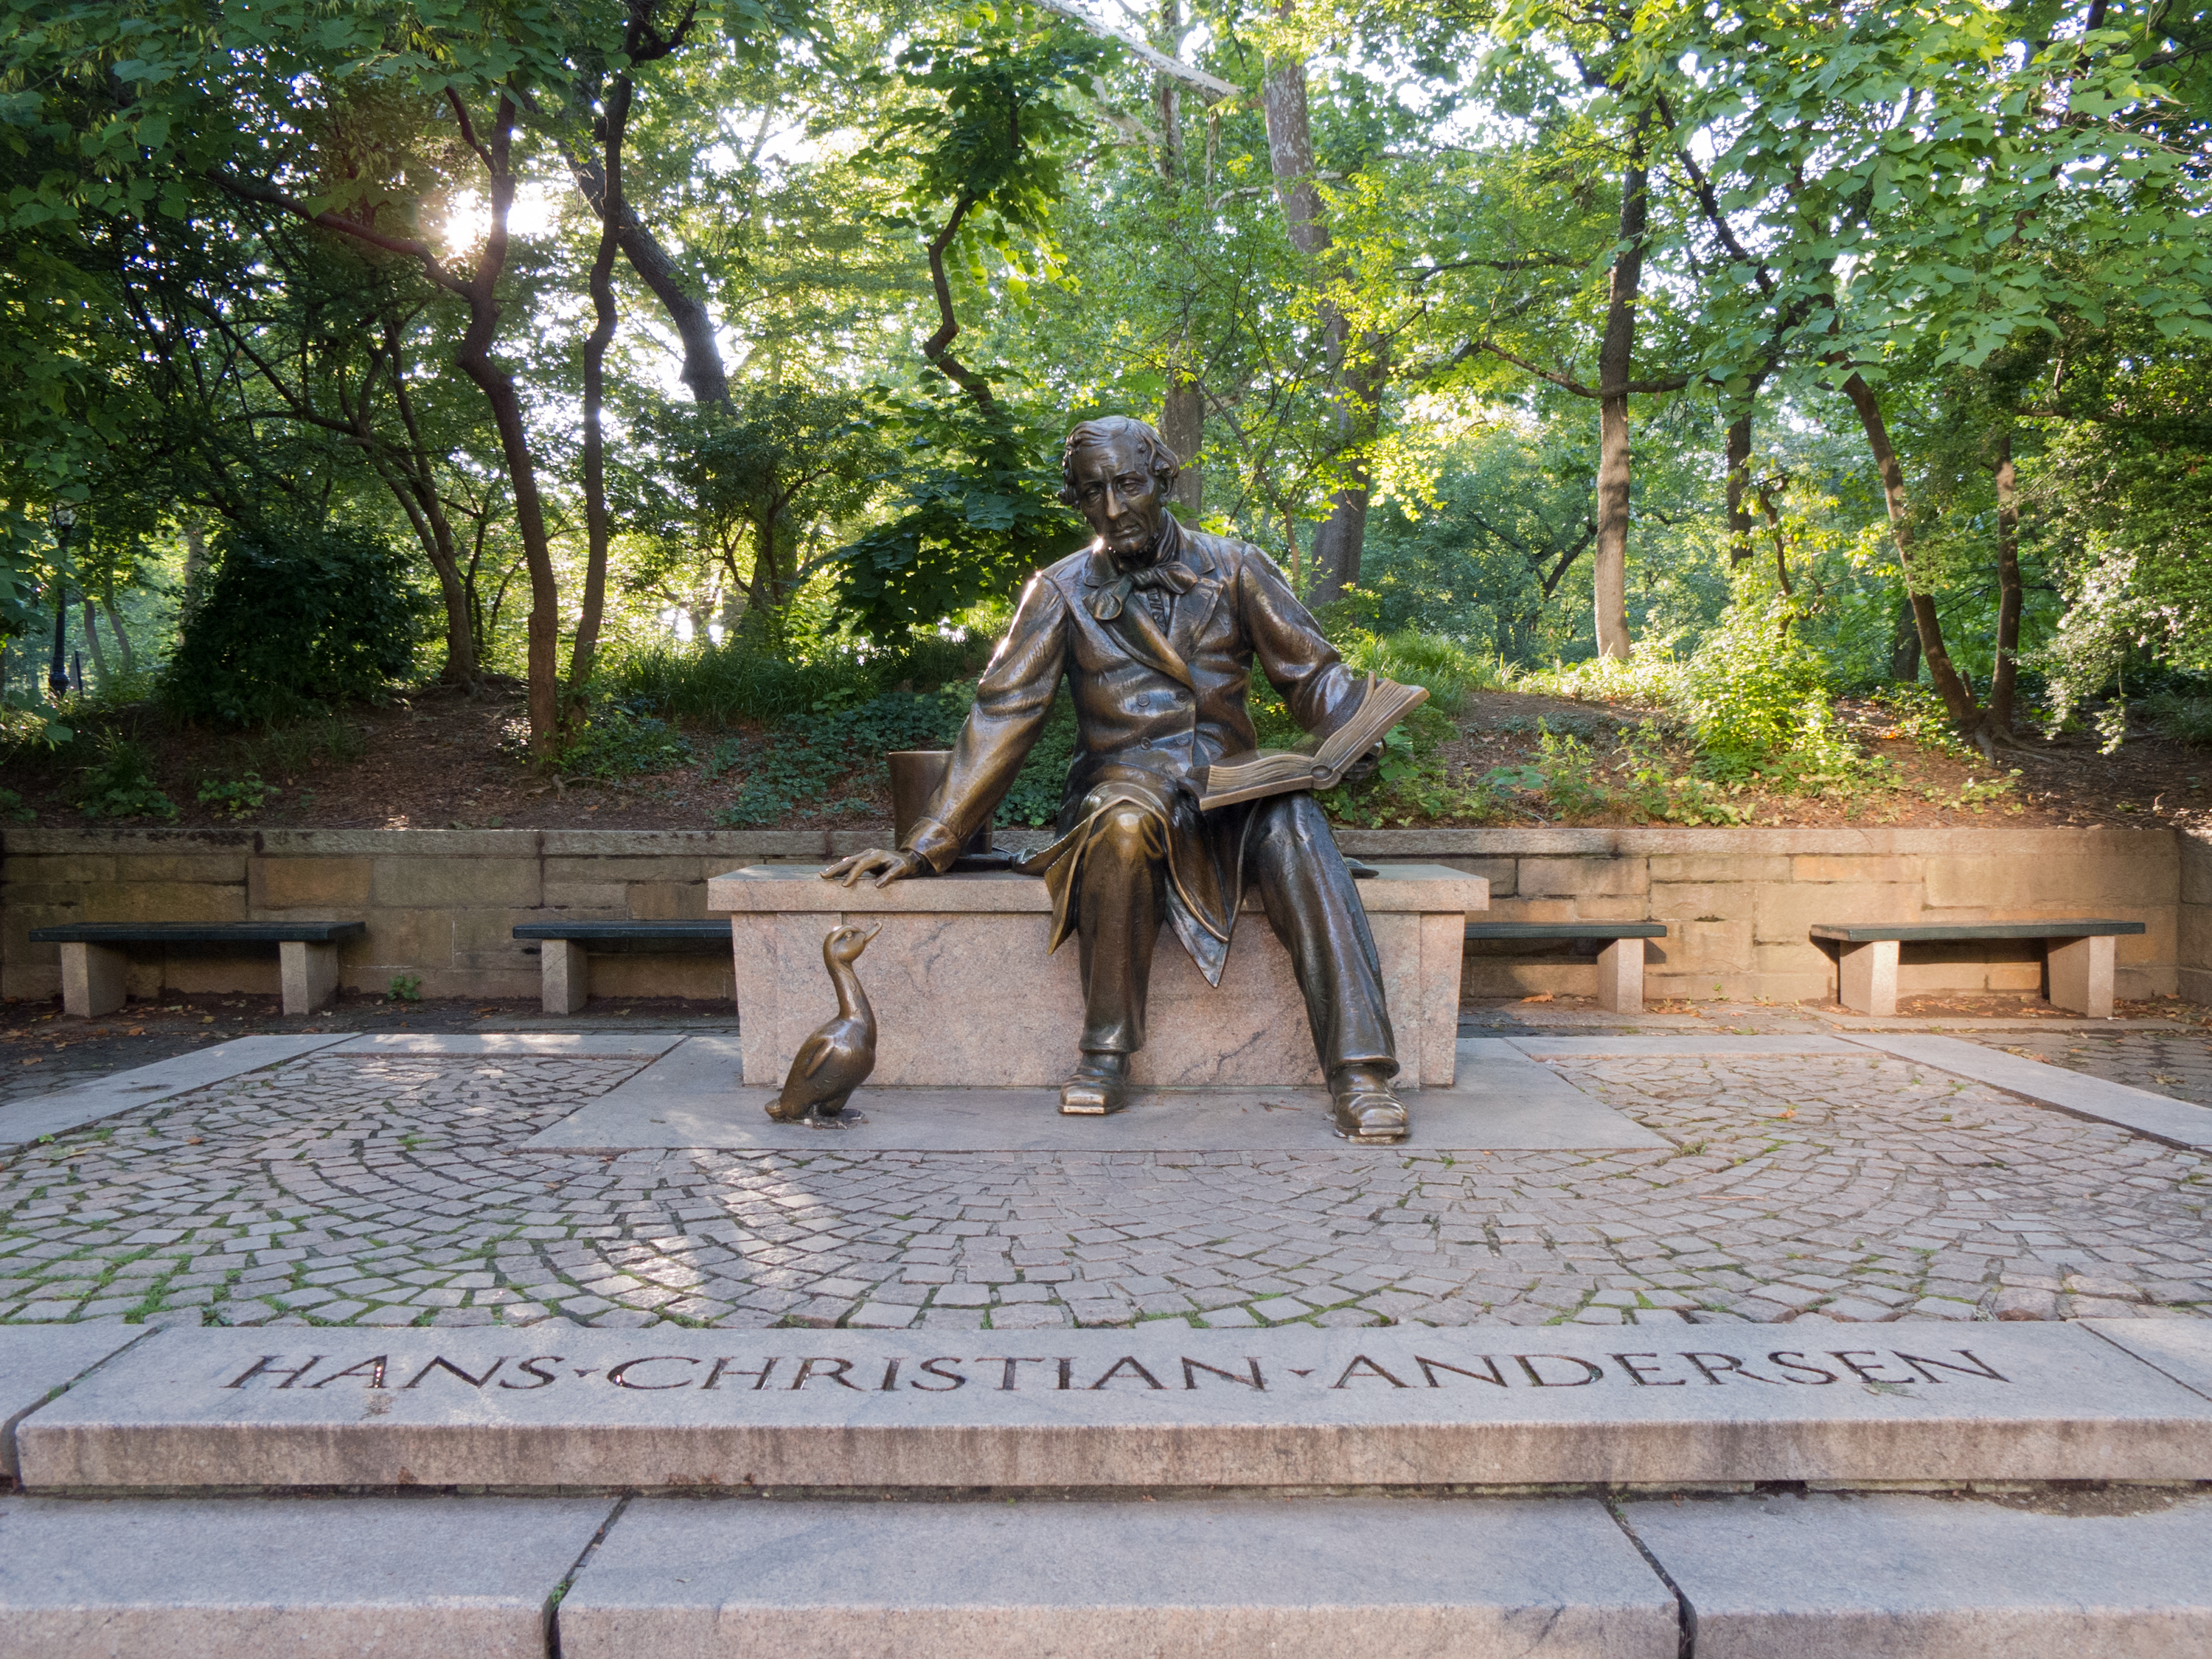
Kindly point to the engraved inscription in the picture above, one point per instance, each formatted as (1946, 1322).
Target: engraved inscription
(1878, 1370)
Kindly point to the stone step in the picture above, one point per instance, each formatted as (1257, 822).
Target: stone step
(2116, 1573)
(2110, 1575)
(1256, 1579)
(1158, 1406)
(241, 1578)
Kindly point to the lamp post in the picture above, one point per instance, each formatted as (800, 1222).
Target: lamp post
(63, 517)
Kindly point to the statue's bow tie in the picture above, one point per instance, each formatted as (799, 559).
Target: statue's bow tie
(1174, 576)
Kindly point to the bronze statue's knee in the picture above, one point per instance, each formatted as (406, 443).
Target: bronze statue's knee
(1127, 829)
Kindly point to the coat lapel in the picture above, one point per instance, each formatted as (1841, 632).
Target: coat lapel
(1195, 609)
(1135, 630)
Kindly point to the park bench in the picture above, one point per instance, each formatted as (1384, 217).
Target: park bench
(1619, 952)
(564, 971)
(96, 954)
(2078, 956)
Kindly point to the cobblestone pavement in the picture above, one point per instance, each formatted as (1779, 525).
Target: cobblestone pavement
(2180, 1066)
(386, 1190)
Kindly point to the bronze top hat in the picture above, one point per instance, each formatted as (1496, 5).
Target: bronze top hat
(915, 775)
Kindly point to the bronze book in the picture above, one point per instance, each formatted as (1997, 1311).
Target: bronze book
(1261, 772)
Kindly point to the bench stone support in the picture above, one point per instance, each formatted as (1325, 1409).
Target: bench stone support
(92, 978)
(566, 977)
(2082, 975)
(308, 972)
(1866, 977)
(1620, 976)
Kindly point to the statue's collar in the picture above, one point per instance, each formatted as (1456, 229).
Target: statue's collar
(1174, 542)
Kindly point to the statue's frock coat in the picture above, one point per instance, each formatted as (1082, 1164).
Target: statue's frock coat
(1151, 708)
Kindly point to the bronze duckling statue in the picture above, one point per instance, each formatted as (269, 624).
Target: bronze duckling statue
(837, 1058)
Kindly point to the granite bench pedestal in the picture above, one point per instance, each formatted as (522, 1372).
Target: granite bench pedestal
(1618, 946)
(95, 956)
(2078, 956)
(964, 994)
(564, 965)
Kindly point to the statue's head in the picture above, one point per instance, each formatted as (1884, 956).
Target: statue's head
(1117, 473)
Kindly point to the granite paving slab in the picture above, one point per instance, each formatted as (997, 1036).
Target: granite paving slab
(1822, 1575)
(690, 1098)
(231, 1578)
(1314, 1579)
(581, 1045)
(2182, 1348)
(2161, 1116)
(37, 1362)
(1480, 1406)
(1702, 1046)
(25, 1120)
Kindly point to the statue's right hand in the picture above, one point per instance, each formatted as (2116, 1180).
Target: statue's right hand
(886, 865)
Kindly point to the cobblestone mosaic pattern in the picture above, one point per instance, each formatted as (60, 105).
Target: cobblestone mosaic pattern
(384, 1190)
(2180, 1066)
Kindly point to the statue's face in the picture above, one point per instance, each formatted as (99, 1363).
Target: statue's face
(1116, 492)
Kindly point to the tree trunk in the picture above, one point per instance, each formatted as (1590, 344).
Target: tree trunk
(130, 658)
(92, 638)
(1997, 721)
(472, 356)
(1904, 645)
(195, 561)
(1739, 486)
(1183, 423)
(1958, 701)
(617, 119)
(1359, 369)
(1615, 358)
(703, 373)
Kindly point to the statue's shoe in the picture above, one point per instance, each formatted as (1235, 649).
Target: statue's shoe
(1364, 1110)
(1100, 1085)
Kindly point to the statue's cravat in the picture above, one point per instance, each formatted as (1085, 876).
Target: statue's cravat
(1166, 579)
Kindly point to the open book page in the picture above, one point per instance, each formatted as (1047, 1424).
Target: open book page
(1383, 704)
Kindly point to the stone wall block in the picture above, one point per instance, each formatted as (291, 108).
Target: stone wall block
(1627, 907)
(163, 900)
(1690, 899)
(302, 884)
(1708, 947)
(611, 899)
(1518, 908)
(1724, 867)
(417, 882)
(483, 937)
(2194, 847)
(667, 868)
(217, 867)
(1983, 885)
(397, 941)
(1786, 914)
(1859, 869)
(697, 979)
(1553, 878)
(2103, 882)
(668, 901)
(59, 869)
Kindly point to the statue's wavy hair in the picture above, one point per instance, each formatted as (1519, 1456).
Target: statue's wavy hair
(1152, 449)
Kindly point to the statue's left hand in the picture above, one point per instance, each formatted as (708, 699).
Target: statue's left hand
(1364, 767)
(887, 866)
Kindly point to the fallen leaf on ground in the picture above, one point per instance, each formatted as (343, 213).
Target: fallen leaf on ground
(1545, 996)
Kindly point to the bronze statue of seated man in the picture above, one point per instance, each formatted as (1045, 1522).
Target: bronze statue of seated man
(1157, 629)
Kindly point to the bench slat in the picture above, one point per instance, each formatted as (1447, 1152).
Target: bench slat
(196, 933)
(1872, 932)
(642, 932)
(1566, 930)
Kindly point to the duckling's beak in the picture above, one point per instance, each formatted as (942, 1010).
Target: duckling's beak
(871, 934)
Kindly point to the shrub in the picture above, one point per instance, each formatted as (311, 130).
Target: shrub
(292, 619)
(1447, 669)
(120, 784)
(239, 799)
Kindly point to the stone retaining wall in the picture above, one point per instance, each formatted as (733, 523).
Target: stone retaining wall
(441, 904)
